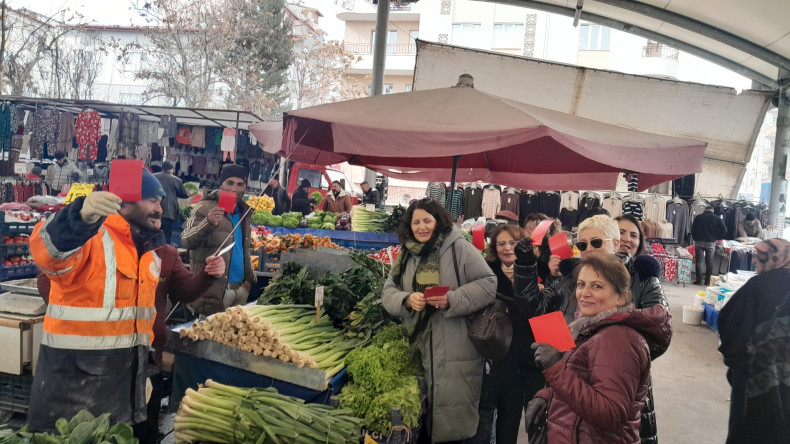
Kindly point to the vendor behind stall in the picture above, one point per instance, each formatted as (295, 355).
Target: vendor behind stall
(102, 259)
(206, 230)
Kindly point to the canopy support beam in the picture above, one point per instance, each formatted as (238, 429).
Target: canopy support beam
(652, 35)
(777, 206)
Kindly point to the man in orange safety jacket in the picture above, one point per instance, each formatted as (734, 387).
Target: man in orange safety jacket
(100, 255)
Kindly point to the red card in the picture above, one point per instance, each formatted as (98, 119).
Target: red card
(479, 236)
(433, 292)
(559, 246)
(126, 179)
(540, 231)
(227, 201)
(553, 330)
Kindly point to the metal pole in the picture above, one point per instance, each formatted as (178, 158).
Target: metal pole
(452, 183)
(778, 203)
(379, 59)
(380, 47)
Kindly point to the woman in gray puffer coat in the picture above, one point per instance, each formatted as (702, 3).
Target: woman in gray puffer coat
(435, 254)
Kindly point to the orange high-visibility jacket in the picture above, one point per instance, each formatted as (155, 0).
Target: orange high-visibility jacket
(102, 294)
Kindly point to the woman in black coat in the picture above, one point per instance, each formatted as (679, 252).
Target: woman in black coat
(301, 201)
(760, 406)
(511, 381)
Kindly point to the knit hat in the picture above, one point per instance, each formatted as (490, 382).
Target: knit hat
(305, 183)
(151, 187)
(167, 166)
(233, 170)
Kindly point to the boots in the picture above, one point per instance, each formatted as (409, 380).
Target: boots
(707, 279)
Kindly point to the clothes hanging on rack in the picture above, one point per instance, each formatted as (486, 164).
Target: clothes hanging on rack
(677, 213)
(492, 199)
(633, 206)
(549, 203)
(528, 203)
(88, 132)
(510, 202)
(473, 202)
(589, 201)
(228, 145)
(569, 200)
(436, 191)
(128, 129)
(5, 127)
(654, 207)
(457, 204)
(613, 204)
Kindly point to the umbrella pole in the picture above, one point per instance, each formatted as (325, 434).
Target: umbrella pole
(452, 183)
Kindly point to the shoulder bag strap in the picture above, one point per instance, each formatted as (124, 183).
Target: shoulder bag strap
(455, 265)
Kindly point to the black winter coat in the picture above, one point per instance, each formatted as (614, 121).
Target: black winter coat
(301, 202)
(523, 302)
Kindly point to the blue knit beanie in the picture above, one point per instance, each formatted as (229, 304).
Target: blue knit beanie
(151, 186)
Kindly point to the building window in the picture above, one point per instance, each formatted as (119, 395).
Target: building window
(388, 88)
(508, 35)
(467, 34)
(594, 37)
(392, 41)
(130, 99)
(407, 88)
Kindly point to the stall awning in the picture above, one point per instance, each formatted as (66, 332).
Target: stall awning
(186, 116)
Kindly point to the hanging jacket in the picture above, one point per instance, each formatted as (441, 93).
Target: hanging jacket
(340, 204)
(202, 240)
(598, 388)
(98, 326)
(453, 367)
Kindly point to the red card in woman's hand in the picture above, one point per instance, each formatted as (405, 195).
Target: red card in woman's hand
(435, 292)
(552, 329)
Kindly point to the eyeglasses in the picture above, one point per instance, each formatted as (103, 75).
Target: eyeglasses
(503, 244)
(595, 243)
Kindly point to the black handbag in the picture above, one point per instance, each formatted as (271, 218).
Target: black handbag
(489, 329)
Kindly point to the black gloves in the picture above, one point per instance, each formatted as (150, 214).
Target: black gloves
(536, 415)
(524, 253)
(312, 201)
(546, 355)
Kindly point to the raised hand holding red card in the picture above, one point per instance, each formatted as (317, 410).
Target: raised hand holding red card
(552, 329)
(227, 201)
(559, 246)
(126, 178)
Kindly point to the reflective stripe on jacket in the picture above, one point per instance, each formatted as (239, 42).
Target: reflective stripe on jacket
(102, 294)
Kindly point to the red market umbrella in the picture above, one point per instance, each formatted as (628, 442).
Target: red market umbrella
(418, 135)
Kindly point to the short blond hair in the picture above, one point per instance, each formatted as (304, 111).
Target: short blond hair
(602, 222)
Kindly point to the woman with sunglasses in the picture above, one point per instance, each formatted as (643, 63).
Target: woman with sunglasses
(515, 378)
(434, 254)
(760, 407)
(597, 389)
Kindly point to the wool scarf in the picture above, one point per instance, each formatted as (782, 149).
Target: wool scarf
(427, 274)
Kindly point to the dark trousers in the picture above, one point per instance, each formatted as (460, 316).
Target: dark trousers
(506, 394)
(167, 228)
(148, 431)
(703, 252)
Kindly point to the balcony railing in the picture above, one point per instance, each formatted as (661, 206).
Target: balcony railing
(367, 48)
(665, 52)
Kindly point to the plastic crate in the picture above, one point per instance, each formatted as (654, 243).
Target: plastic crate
(18, 271)
(16, 227)
(15, 392)
(14, 250)
(269, 262)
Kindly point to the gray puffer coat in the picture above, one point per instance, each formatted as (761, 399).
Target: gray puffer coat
(454, 368)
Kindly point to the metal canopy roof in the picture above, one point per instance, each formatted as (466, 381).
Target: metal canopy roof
(184, 116)
(751, 38)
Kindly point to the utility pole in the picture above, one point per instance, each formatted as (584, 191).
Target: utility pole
(379, 59)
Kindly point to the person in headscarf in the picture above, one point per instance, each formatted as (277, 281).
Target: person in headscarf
(759, 367)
